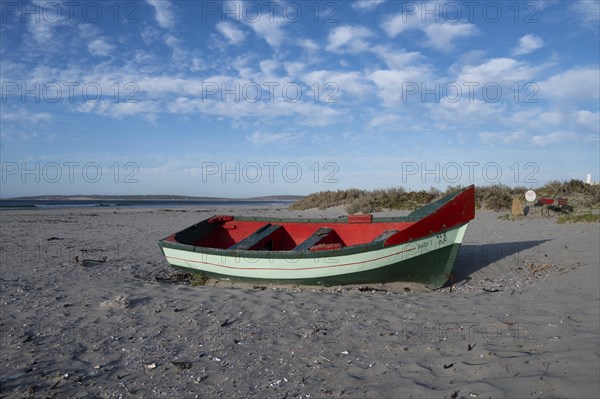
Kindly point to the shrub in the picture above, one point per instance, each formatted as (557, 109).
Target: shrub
(327, 199)
(364, 204)
(495, 197)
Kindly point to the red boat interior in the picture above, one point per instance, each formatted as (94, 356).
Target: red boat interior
(229, 232)
(226, 232)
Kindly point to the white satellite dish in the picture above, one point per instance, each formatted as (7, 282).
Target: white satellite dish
(530, 195)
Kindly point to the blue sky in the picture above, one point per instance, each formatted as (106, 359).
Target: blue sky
(243, 99)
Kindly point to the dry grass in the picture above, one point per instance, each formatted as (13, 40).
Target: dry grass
(328, 199)
(584, 217)
(580, 195)
(497, 197)
(198, 280)
(356, 200)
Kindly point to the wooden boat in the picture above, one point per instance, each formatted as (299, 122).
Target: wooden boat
(356, 249)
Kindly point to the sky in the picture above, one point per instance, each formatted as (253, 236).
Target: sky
(250, 98)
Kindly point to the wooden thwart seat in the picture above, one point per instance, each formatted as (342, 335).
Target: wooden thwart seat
(385, 235)
(257, 239)
(314, 239)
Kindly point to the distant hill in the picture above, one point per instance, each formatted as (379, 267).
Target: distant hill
(153, 198)
(277, 198)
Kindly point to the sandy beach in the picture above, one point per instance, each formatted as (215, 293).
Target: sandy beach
(522, 319)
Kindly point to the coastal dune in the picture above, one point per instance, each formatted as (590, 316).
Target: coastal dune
(90, 308)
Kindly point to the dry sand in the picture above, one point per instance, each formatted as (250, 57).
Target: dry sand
(521, 321)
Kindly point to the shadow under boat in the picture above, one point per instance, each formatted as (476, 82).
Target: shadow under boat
(473, 257)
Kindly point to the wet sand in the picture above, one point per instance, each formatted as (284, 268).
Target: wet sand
(522, 318)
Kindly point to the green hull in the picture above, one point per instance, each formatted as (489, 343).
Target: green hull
(432, 269)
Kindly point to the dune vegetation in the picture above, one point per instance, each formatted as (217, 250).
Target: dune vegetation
(497, 197)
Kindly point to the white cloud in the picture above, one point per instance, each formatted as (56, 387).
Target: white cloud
(19, 136)
(587, 11)
(198, 64)
(269, 28)
(318, 116)
(366, 4)
(353, 83)
(165, 15)
(232, 33)
(119, 110)
(307, 44)
(548, 119)
(439, 35)
(468, 113)
(525, 116)
(172, 41)
(396, 24)
(306, 113)
(260, 138)
(385, 120)
(150, 34)
(397, 59)
(499, 70)
(100, 47)
(269, 67)
(527, 44)
(392, 84)
(40, 30)
(348, 37)
(501, 137)
(554, 138)
(181, 57)
(573, 85)
(24, 116)
(588, 120)
(157, 86)
(552, 118)
(43, 20)
(294, 68)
